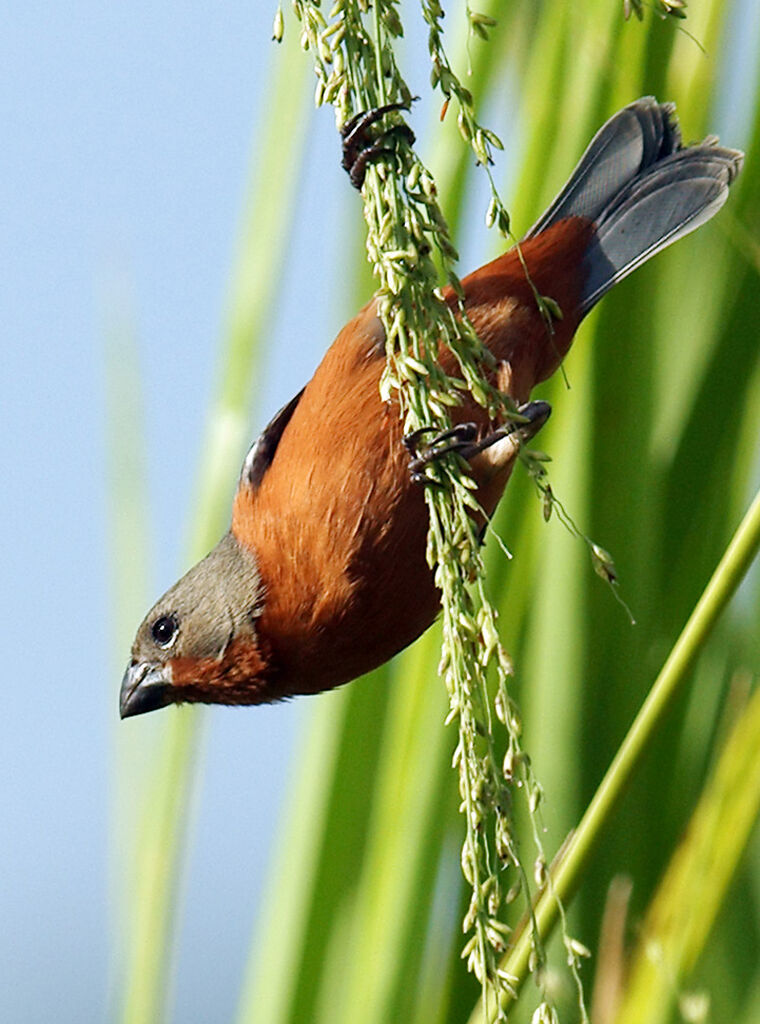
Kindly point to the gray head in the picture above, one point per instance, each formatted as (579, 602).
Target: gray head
(191, 627)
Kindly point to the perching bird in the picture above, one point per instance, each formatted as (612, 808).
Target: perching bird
(322, 575)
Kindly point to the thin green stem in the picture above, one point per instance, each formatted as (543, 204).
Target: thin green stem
(573, 859)
(160, 852)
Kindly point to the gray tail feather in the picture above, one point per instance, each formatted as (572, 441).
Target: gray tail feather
(642, 190)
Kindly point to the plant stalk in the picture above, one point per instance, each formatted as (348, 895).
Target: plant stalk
(572, 859)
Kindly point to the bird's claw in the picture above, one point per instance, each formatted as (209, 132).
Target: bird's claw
(359, 148)
(462, 439)
(458, 439)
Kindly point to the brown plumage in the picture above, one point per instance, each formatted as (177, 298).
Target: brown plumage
(372, 518)
(323, 574)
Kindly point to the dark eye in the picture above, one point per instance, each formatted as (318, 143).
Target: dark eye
(164, 630)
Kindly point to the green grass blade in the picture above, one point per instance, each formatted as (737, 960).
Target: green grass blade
(161, 842)
(129, 549)
(162, 837)
(390, 907)
(681, 915)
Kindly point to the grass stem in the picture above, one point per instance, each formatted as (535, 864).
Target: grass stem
(572, 860)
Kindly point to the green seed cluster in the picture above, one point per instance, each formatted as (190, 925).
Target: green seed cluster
(407, 241)
(663, 8)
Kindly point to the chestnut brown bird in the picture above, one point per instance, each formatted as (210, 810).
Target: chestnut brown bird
(322, 575)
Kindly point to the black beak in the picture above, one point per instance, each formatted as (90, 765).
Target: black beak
(143, 688)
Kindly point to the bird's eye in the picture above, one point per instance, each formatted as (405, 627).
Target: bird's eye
(164, 630)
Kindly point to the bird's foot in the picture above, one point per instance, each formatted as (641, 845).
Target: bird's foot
(463, 438)
(530, 418)
(360, 148)
(459, 438)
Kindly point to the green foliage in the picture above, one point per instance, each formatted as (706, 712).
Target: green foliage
(654, 450)
(677, 924)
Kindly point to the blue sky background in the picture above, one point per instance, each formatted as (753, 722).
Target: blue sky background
(126, 155)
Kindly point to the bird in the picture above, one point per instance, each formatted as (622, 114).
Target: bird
(322, 575)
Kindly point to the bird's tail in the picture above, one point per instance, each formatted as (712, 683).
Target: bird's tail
(642, 190)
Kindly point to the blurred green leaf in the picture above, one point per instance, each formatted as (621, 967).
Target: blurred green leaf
(677, 925)
(161, 838)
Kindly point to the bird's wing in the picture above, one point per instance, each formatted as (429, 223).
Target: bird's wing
(260, 454)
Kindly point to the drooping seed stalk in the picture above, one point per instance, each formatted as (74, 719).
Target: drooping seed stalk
(407, 239)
